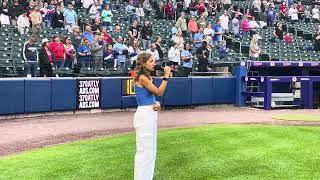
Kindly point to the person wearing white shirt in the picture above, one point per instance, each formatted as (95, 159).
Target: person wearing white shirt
(134, 51)
(224, 19)
(140, 13)
(315, 14)
(253, 25)
(153, 51)
(23, 24)
(86, 3)
(209, 33)
(174, 56)
(293, 13)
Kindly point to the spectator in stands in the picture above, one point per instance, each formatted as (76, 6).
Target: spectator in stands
(187, 60)
(316, 39)
(307, 14)
(245, 26)
(57, 18)
(203, 55)
(223, 50)
(174, 56)
(133, 31)
(315, 13)
(86, 4)
(300, 8)
(235, 24)
(4, 13)
(71, 54)
(23, 24)
(146, 34)
(105, 35)
(75, 37)
(256, 12)
(130, 11)
(179, 40)
(134, 51)
(15, 10)
(46, 16)
(202, 23)
(96, 26)
(147, 7)
(84, 53)
(192, 8)
(226, 4)
(139, 13)
(159, 47)
(192, 28)
(218, 31)
(106, 16)
(30, 56)
(182, 24)
(108, 57)
(88, 34)
(278, 33)
(169, 10)
(283, 11)
(200, 8)
(116, 33)
(57, 47)
(94, 11)
(160, 10)
(46, 59)
(70, 17)
(293, 13)
(288, 38)
(198, 38)
(208, 33)
(254, 26)
(121, 51)
(97, 48)
(153, 50)
(36, 20)
(254, 49)
(271, 15)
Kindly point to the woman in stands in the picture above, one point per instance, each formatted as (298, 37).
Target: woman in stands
(187, 60)
(84, 52)
(133, 52)
(70, 52)
(254, 51)
(46, 59)
(174, 56)
(57, 18)
(145, 118)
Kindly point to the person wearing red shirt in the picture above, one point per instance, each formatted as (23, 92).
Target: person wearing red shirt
(201, 8)
(300, 8)
(106, 36)
(283, 10)
(169, 11)
(58, 50)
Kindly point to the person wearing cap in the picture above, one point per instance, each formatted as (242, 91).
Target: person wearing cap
(23, 24)
(30, 56)
(46, 59)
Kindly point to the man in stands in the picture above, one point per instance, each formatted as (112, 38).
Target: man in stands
(198, 38)
(133, 31)
(152, 50)
(88, 34)
(36, 20)
(15, 11)
(97, 48)
(182, 24)
(75, 37)
(70, 17)
(30, 56)
(203, 56)
(317, 41)
(121, 51)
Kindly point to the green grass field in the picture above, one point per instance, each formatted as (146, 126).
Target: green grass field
(297, 117)
(210, 152)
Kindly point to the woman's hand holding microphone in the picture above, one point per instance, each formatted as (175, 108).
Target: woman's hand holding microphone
(166, 71)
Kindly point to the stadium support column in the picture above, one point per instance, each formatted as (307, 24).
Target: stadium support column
(239, 72)
(267, 93)
(307, 94)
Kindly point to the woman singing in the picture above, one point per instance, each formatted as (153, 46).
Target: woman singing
(145, 118)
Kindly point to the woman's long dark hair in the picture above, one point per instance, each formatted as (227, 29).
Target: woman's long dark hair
(140, 70)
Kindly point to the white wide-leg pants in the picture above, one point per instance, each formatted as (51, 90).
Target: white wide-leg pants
(145, 123)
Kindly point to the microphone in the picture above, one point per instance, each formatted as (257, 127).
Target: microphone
(160, 68)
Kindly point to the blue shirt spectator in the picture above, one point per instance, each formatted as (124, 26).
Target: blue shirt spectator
(88, 34)
(198, 38)
(218, 30)
(121, 51)
(70, 16)
(187, 53)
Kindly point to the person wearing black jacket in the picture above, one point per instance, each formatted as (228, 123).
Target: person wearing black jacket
(15, 10)
(57, 18)
(30, 56)
(203, 55)
(46, 58)
(146, 34)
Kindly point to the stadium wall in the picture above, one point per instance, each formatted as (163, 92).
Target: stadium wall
(32, 95)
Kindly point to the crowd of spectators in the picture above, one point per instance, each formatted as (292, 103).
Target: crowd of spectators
(193, 37)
